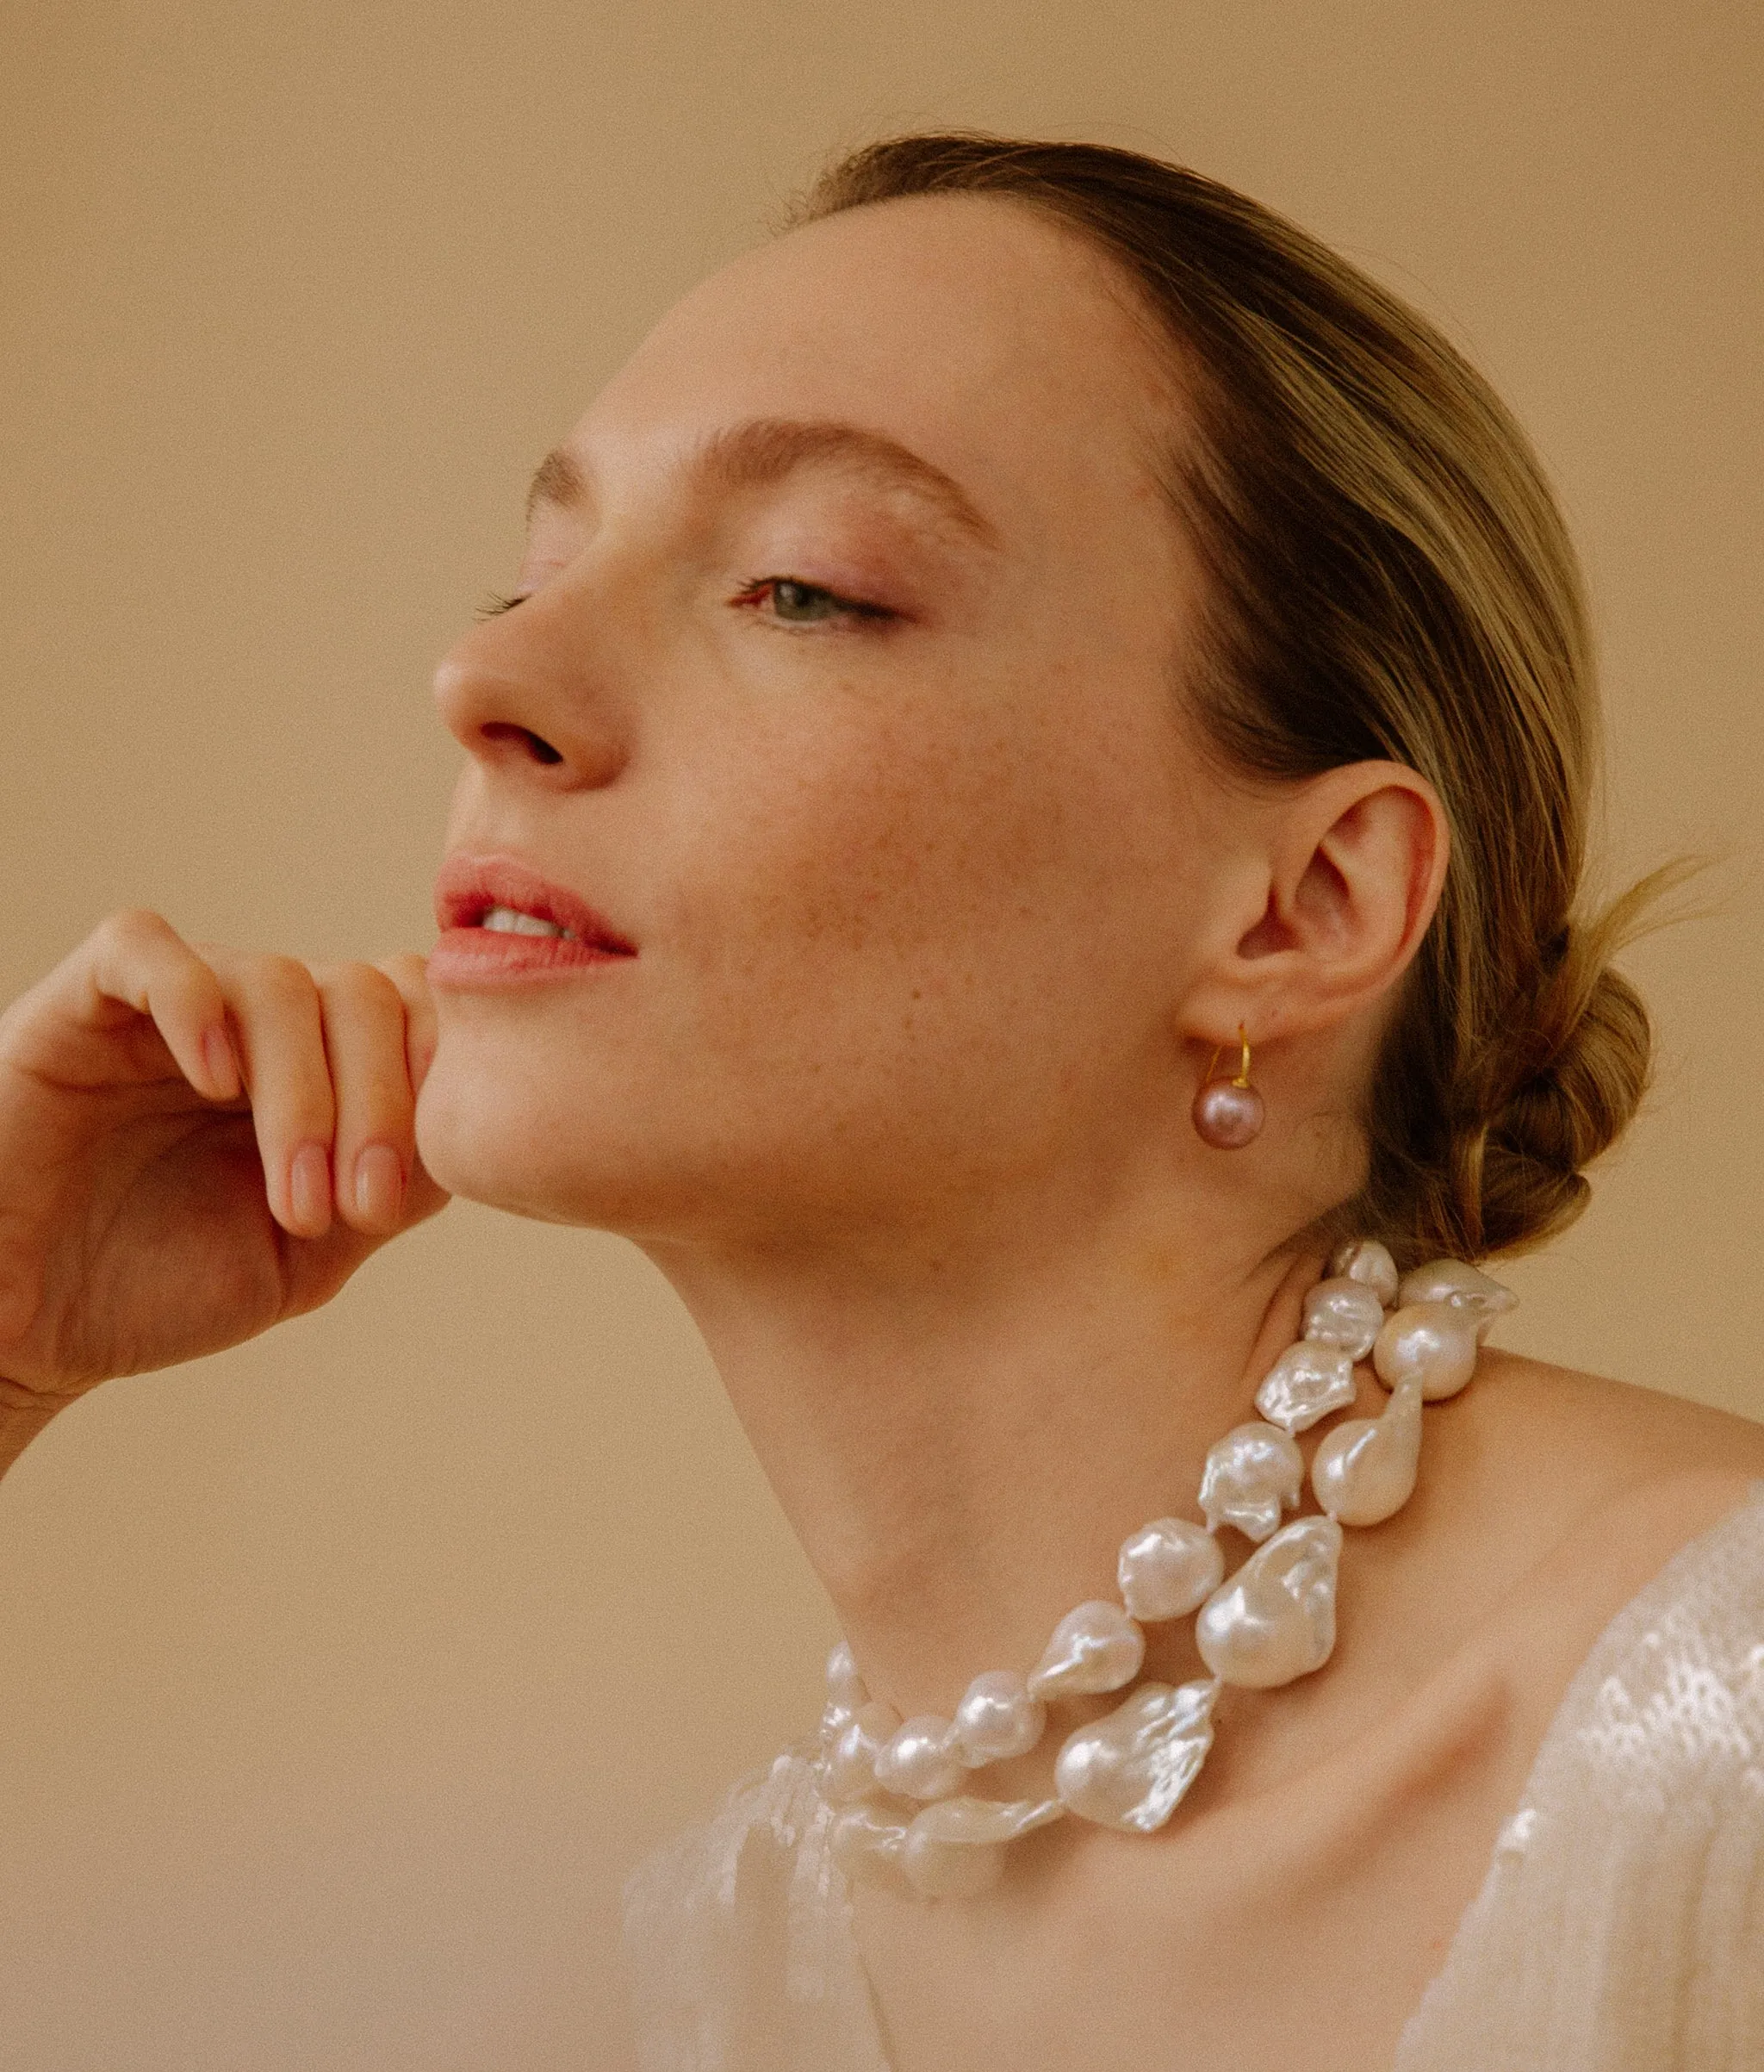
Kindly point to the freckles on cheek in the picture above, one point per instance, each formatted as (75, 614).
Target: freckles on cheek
(907, 856)
(833, 858)
(845, 866)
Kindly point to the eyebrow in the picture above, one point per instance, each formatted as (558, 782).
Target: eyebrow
(557, 480)
(766, 451)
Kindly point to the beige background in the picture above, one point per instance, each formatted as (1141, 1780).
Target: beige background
(341, 1676)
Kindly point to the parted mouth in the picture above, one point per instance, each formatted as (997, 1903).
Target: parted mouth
(504, 896)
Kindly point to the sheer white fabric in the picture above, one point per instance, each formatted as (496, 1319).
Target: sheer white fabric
(739, 1942)
(1620, 1927)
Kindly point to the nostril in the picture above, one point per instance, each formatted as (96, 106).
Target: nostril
(540, 750)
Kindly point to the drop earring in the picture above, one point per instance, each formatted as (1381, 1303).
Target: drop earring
(1229, 1113)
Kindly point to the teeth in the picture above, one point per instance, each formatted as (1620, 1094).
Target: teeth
(510, 921)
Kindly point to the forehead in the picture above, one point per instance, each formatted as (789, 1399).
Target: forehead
(994, 343)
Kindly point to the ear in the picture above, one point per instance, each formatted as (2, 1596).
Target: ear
(1343, 875)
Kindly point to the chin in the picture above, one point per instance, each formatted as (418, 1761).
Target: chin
(501, 1139)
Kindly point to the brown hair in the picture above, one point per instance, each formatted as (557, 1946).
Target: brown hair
(1390, 577)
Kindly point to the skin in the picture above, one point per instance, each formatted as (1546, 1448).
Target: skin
(939, 913)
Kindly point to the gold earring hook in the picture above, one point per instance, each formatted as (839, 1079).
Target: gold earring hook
(1242, 1075)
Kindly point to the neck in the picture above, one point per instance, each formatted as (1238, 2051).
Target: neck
(961, 1432)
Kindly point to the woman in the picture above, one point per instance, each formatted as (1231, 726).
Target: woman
(1039, 640)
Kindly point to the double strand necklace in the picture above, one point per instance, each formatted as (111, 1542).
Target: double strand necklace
(898, 1787)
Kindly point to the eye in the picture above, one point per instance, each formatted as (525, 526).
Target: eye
(493, 606)
(800, 604)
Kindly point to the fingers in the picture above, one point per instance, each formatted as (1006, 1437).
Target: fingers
(329, 1056)
(408, 971)
(328, 1059)
(279, 1028)
(136, 960)
(366, 1042)
(409, 974)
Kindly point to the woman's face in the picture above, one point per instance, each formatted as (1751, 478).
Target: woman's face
(836, 720)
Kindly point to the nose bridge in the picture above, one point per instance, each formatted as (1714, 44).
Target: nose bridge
(535, 687)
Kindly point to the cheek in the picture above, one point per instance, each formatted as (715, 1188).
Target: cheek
(871, 851)
(933, 866)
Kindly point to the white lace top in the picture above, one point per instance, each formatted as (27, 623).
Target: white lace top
(1620, 1927)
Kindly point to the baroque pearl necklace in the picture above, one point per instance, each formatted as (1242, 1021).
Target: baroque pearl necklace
(898, 1786)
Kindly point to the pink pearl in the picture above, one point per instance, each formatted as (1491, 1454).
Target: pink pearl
(1227, 1116)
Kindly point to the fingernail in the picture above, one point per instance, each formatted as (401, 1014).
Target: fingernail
(379, 1184)
(221, 1065)
(309, 1188)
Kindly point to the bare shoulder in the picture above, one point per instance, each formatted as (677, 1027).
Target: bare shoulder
(1603, 1475)
(1617, 1430)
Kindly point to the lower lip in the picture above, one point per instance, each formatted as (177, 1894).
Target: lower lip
(487, 956)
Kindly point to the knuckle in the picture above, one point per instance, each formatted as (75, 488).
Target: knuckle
(307, 1106)
(366, 981)
(374, 1100)
(376, 1091)
(407, 970)
(135, 928)
(361, 994)
(283, 982)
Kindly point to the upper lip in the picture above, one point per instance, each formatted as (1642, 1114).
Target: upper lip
(469, 887)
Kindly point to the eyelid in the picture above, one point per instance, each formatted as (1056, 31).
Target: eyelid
(495, 604)
(753, 594)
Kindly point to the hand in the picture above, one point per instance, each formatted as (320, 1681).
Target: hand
(193, 1147)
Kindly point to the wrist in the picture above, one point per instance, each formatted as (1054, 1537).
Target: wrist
(22, 1417)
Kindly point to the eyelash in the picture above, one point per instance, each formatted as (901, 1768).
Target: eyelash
(750, 595)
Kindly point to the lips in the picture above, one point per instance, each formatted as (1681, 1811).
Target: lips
(469, 887)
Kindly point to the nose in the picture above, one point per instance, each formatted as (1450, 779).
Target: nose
(527, 694)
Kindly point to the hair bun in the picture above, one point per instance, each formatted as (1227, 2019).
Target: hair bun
(1588, 1068)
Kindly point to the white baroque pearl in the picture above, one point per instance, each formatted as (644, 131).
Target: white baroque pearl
(1275, 1620)
(1167, 1568)
(1096, 1647)
(849, 1769)
(1364, 1470)
(1364, 1259)
(1451, 1280)
(967, 1823)
(844, 1685)
(1306, 1384)
(997, 1719)
(1252, 1474)
(950, 1871)
(1432, 1342)
(957, 1848)
(865, 1841)
(846, 1694)
(1345, 1313)
(1130, 1768)
(921, 1759)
